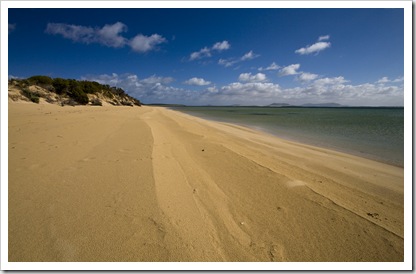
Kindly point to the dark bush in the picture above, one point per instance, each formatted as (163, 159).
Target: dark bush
(34, 97)
(137, 102)
(40, 80)
(96, 102)
(127, 103)
(79, 95)
(78, 90)
(61, 85)
(90, 87)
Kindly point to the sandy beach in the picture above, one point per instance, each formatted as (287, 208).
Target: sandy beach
(152, 184)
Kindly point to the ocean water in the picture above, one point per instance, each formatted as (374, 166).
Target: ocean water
(375, 133)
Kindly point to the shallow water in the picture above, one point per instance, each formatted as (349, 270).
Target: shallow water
(375, 133)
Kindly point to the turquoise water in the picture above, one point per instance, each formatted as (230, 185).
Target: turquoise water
(375, 133)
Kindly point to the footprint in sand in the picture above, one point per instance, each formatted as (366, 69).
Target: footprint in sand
(34, 166)
(87, 159)
(295, 183)
(277, 253)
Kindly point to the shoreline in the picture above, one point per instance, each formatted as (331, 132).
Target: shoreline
(154, 184)
(294, 137)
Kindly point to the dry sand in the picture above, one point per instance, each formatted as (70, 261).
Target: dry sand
(152, 184)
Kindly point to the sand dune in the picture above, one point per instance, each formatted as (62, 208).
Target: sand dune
(152, 184)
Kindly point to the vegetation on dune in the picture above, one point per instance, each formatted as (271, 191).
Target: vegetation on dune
(76, 90)
(31, 95)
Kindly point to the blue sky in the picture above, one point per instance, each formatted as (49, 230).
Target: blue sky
(218, 56)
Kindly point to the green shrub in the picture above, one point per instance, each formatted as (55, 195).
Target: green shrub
(79, 95)
(127, 103)
(96, 102)
(31, 96)
(77, 90)
(40, 80)
(90, 87)
(61, 85)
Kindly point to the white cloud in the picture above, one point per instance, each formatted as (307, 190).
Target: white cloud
(142, 43)
(383, 80)
(157, 79)
(232, 61)
(207, 52)
(324, 37)
(220, 46)
(9, 77)
(306, 76)
(247, 77)
(244, 93)
(227, 62)
(212, 89)
(273, 66)
(317, 47)
(204, 52)
(330, 81)
(197, 82)
(108, 35)
(249, 55)
(156, 89)
(289, 70)
(12, 27)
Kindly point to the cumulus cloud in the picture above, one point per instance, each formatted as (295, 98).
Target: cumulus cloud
(330, 81)
(315, 48)
(197, 82)
(220, 46)
(306, 76)
(399, 79)
(385, 80)
(156, 89)
(232, 61)
(207, 52)
(9, 77)
(289, 70)
(245, 93)
(142, 43)
(273, 66)
(247, 77)
(108, 35)
(323, 37)
(204, 52)
(12, 27)
(227, 62)
(157, 79)
(249, 55)
(212, 89)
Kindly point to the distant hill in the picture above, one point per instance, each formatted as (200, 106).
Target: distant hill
(327, 105)
(68, 92)
(306, 105)
(165, 105)
(279, 105)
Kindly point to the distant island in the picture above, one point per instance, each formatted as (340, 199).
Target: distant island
(326, 105)
(68, 92)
